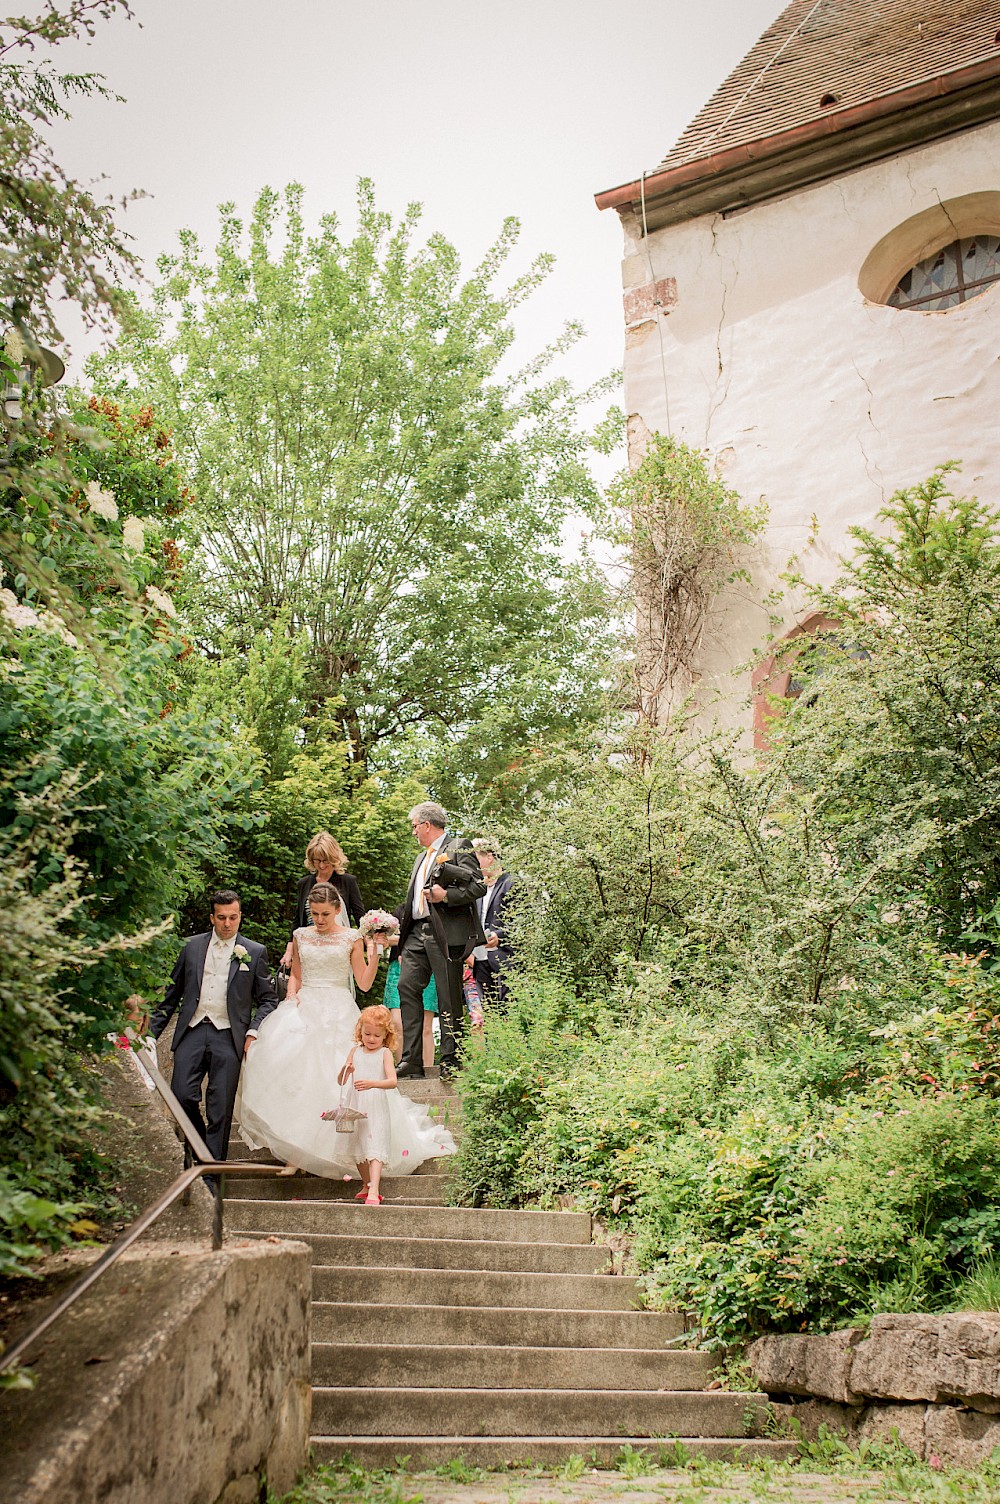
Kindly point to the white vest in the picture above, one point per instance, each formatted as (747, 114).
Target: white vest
(212, 1003)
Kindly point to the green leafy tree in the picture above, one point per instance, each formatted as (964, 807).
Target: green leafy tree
(113, 796)
(260, 694)
(898, 725)
(367, 465)
(59, 241)
(320, 790)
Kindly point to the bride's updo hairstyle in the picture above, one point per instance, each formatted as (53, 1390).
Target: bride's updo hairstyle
(325, 893)
(381, 1018)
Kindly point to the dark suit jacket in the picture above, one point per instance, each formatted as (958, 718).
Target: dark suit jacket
(493, 919)
(346, 885)
(250, 998)
(456, 868)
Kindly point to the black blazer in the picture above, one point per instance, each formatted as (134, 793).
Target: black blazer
(456, 868)
(494, 919)
(346, 885)
(250, 998)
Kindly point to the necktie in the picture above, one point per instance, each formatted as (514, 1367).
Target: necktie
(424, 879)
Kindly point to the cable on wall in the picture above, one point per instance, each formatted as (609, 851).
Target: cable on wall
(659, 316)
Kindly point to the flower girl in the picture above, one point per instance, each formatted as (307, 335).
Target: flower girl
(396, 1135)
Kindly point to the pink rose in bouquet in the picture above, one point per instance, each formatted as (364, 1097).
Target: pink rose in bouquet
(378, 925)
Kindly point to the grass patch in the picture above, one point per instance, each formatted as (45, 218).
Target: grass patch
(882, 1472)
(980, 1290)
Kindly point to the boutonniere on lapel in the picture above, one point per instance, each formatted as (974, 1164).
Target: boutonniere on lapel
(448, 867)
(242, 956)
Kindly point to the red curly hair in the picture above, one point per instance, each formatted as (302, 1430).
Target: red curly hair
(382, 1020)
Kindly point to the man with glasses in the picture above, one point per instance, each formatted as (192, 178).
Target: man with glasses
(440, 927)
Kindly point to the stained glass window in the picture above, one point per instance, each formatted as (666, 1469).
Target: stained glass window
(953, 275)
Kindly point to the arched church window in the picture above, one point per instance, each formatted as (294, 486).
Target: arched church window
(962, 270)
(816, 660)
(794, 669)
(942, 256)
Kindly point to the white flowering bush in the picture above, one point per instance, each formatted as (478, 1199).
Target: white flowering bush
(48, 1171)
(101, 502)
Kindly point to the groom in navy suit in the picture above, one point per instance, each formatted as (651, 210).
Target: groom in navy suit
(221, 990)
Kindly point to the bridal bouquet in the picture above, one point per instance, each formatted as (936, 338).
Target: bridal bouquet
(378, 925)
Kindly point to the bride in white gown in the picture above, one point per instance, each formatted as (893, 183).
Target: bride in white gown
(290, 1074)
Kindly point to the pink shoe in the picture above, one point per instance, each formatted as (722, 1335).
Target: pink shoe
(361, 1195)
(373, 1200)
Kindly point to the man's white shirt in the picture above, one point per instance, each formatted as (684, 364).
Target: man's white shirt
(212, 1003)
(481, 953)
(424, 877)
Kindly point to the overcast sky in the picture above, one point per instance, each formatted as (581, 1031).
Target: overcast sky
(476, 110)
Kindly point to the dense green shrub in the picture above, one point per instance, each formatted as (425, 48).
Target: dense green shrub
(47, 1101)
(765, 1064)
(112, 799)
(149, 790)
(504, 1091)
(899, 725)
(775, 1224)
(763, 1189)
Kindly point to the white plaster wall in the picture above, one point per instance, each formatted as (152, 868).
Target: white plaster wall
(808, 395)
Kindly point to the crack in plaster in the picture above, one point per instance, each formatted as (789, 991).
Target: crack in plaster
(944, 210)
(908, 174)
(718, 399)
(872, 470)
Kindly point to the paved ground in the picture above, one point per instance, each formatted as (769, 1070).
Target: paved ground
(907, 1482)
(664, 1488)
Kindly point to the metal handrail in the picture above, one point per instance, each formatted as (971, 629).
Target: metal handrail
(196, 1150)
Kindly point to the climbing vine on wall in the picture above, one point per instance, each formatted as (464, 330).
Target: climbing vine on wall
(688, 535)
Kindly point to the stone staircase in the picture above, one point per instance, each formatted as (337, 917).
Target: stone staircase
(494, 1335)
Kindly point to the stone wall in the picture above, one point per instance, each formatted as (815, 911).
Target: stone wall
(181, 1377)
(933, 1381)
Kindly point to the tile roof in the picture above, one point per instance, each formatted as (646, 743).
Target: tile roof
(822, 56)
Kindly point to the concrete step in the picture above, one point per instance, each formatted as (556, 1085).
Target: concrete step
(239, 1151)
(375, 1366)
(422, 1452)
(438, 1166)
(484, 1225)
(431, 1091)
(429, 1188)
(451, 1253)
(540, 1412)
(479, 1287)
(492, 1326)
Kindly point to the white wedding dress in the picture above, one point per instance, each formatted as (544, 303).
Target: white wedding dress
(290, 1075)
